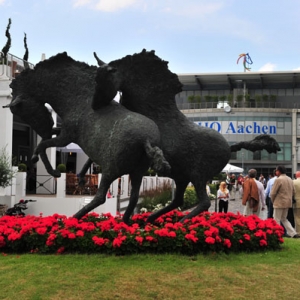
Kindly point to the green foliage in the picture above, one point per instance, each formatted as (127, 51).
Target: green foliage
(156, 198)
(273, 98)
(150, 172)
(70, 276)
(239, 98)
(257, 98)
(194, 99)
(62, 168)
(190, 198)
(265, 97)
(208, 98)
(213, 189)
(7, 46)
(230, 99)
(223, 98)
(22, 167)
(215, 98)
(6, 172)
(206, 233)
(247, 97)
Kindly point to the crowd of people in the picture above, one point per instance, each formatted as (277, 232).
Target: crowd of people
(279, 195)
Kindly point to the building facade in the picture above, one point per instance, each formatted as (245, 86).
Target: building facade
(238, 105)
(242, 106)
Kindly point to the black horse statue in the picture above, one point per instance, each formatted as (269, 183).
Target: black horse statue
(121, 141)
(195, 153)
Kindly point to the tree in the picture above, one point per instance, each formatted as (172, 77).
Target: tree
(6, 172)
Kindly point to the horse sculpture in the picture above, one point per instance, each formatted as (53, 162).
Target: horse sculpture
(121, 141)
(195, 153)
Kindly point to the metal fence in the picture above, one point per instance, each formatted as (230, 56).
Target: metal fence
(220, 105)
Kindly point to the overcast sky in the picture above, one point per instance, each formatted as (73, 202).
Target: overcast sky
(195, 36)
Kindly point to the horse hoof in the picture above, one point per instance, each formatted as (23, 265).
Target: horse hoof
(55, 173)
(150, 220)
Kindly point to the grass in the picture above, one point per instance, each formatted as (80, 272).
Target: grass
(270, 275)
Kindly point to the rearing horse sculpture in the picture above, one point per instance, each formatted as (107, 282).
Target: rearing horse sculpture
(121, 141)
(195, 153)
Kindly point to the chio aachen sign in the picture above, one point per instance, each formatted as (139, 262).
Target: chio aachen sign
(247, 127)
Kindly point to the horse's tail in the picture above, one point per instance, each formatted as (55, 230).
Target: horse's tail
(260, 142)
(158, 161)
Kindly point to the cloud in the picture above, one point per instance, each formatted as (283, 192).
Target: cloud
(114, 5)
(104, 5)
(268, 67)
(2, 1)
(297, 69)
(78, 3)
(193, 10)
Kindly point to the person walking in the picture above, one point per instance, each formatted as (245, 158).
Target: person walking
(281, 196)
(253, 195)
(296, 205)
(223, 197)
(267, 194)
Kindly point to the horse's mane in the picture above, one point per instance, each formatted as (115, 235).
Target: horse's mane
(146, 73)
(61, 70)
(60, 59)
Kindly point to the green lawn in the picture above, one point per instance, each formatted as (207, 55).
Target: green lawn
(270, 275)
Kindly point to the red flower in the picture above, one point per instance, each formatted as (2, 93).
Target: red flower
(80, 233)
(60, 250)
(247, 237)
(71, 236)
(118, 241)
(14, 236)
(51, 239)
(263, 243)
(139, 239)
(191, 237)
(227, 243)
(150, 239)
(210, 240)
(41, 230)
(2, 241)
(99, 241)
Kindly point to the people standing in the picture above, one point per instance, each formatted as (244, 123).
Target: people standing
(253, 195)
(207, 189)
(231, 185)
(267, 194)
(296, 205)
(240, 182)
(262, 179)
(281, 195)
(223, 197)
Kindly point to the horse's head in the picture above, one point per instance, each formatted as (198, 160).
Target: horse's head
(107, 86)
(25, 106)
(144, 77)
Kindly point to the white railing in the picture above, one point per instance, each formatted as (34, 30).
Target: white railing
(11, 65)
(69, 204)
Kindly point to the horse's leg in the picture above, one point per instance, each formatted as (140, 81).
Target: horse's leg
(99, 198)
(83, 172)
(59, 141)
(204, 202)
(136, 180)
(176, 202)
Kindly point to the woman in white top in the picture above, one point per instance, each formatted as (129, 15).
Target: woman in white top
(223, 197)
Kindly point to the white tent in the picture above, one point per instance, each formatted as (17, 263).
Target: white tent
(72, 147)
(232, 169)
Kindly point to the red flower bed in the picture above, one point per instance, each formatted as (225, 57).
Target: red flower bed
(208, 232)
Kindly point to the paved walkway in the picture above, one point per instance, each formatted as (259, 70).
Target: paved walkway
(235, 206)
